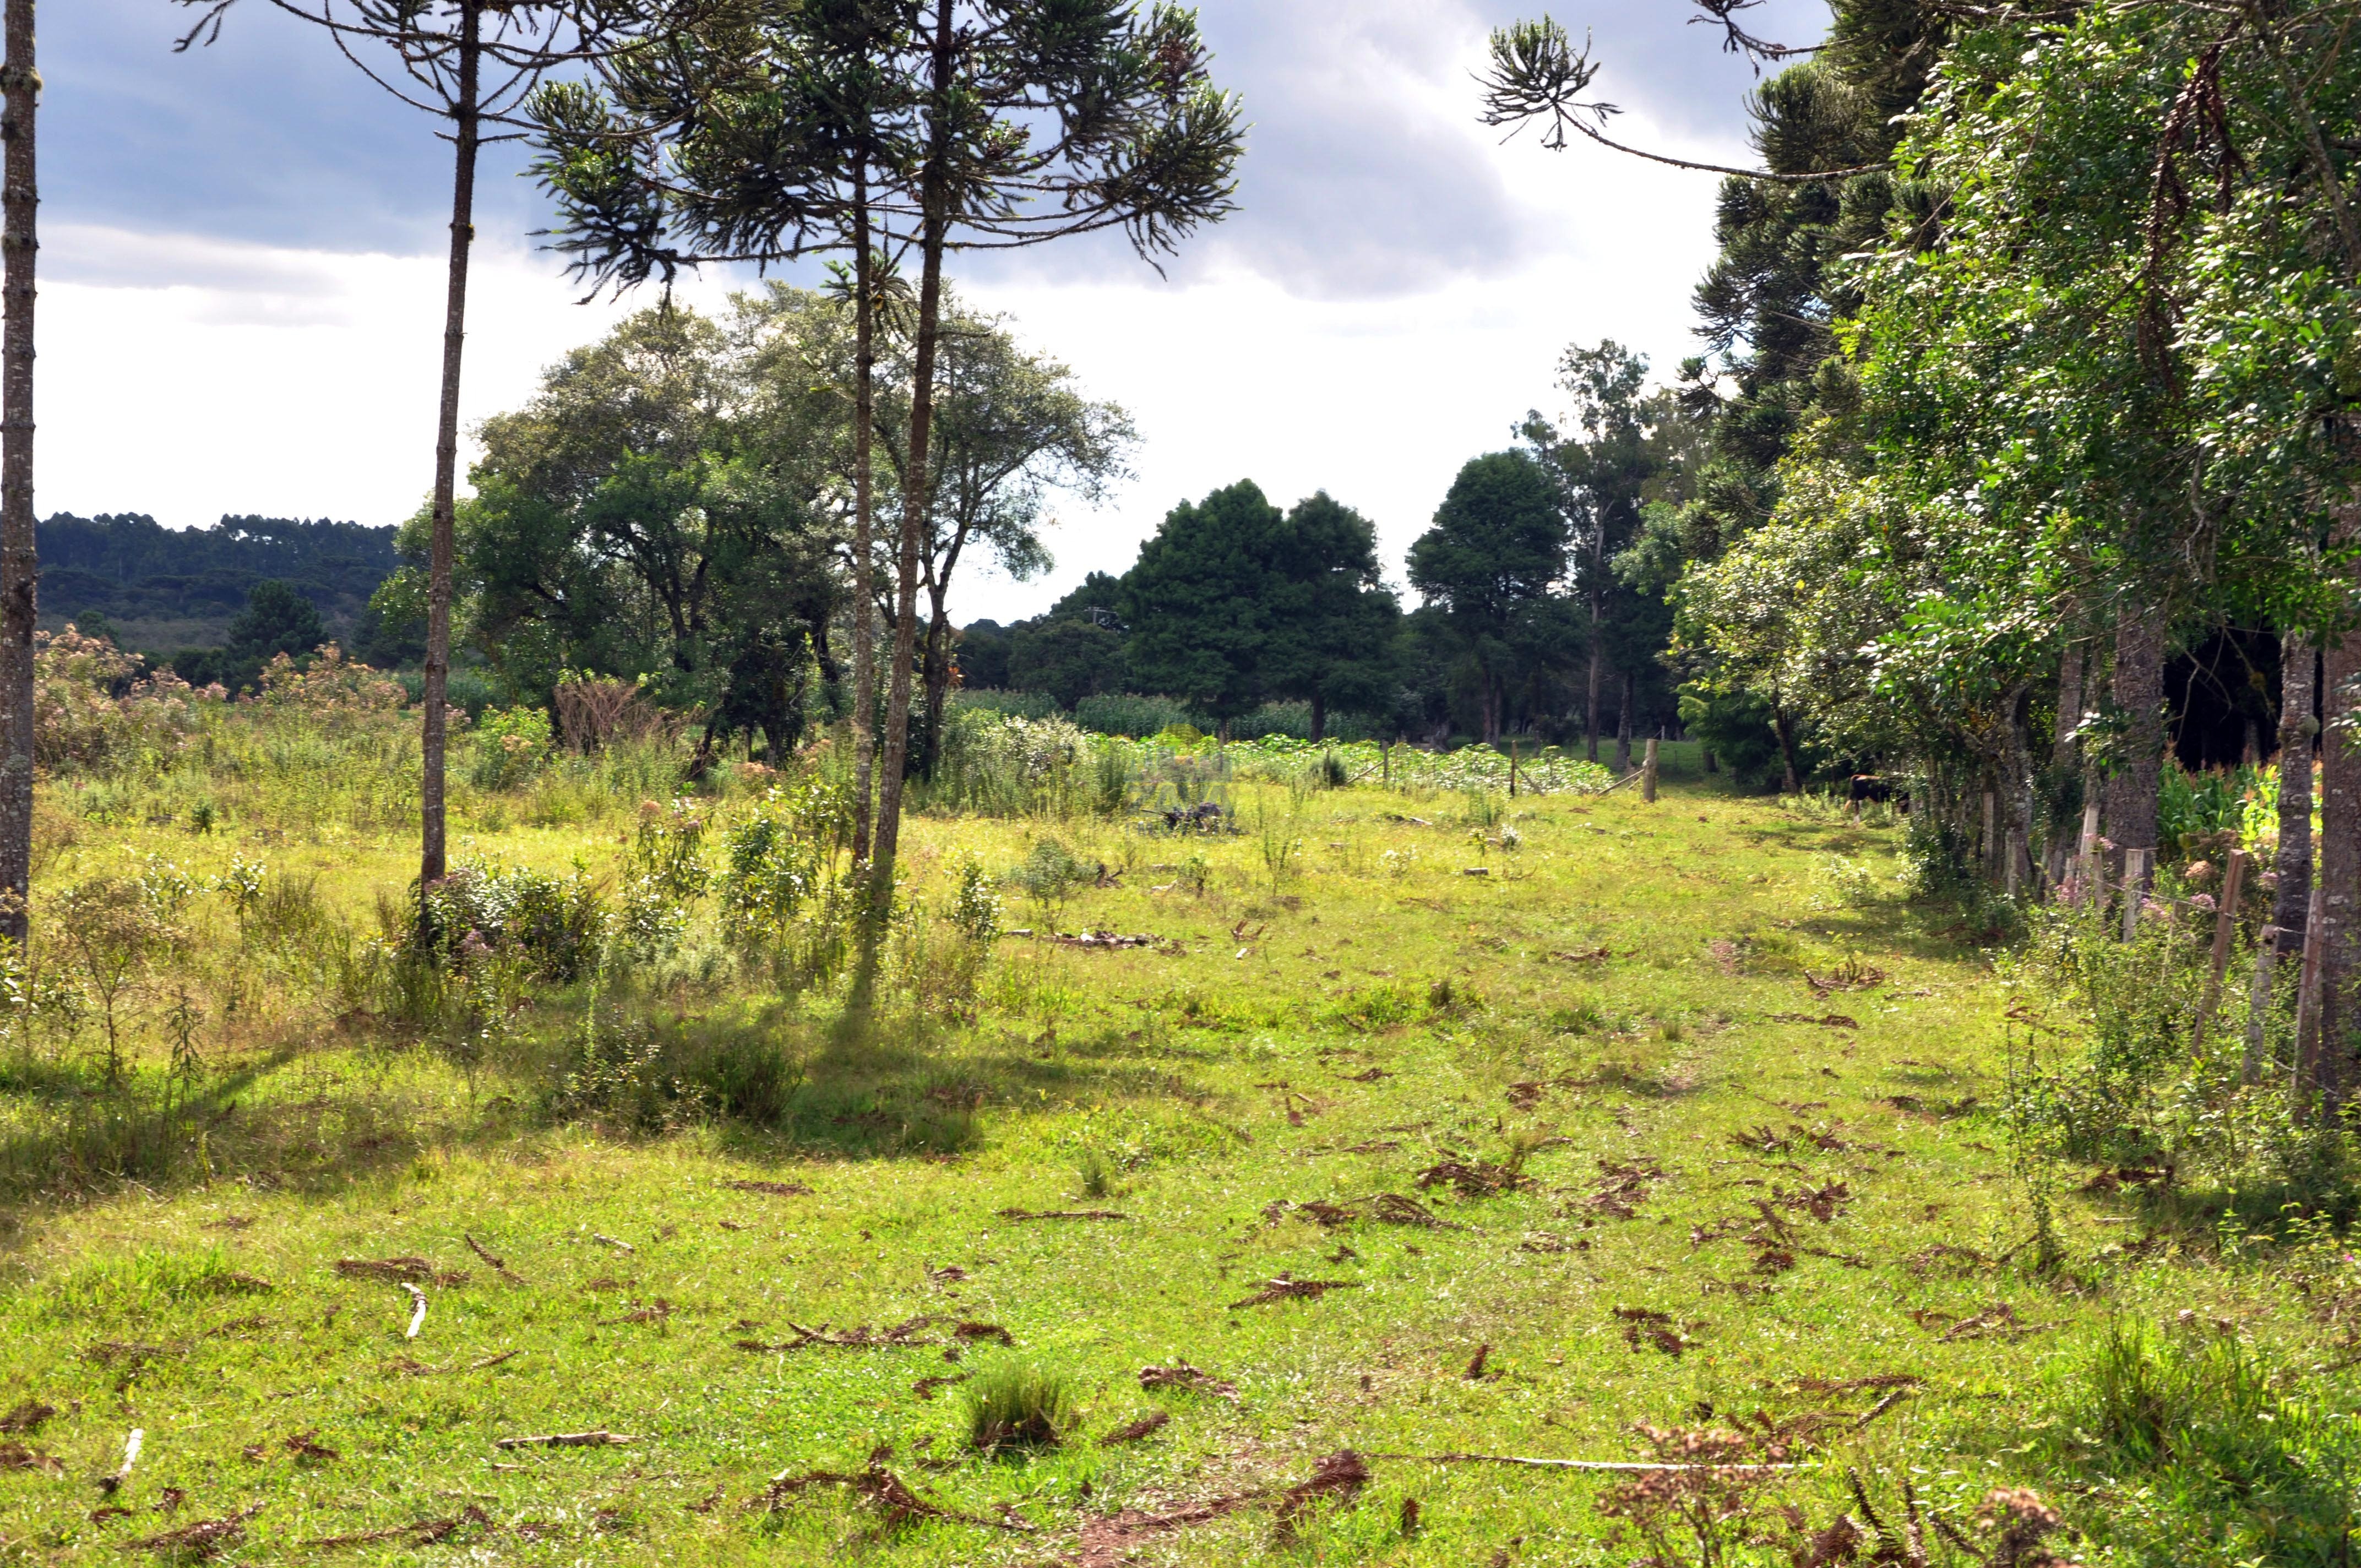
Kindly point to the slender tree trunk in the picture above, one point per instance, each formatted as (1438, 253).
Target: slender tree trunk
(2063, 747)
(1785, 728)
(1598, 659)
(1319, 716)
(1623, 730)
(936, 666)
(2139, 692)
(2340, 870)
(431, 861)
(2299, 667)
(20, 570)
(935, 202)
(864, 493)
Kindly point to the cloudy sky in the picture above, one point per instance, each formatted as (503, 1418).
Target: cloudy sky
(242, 270)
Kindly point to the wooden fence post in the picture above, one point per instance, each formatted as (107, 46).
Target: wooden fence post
(1648, 773)
(2225, 927)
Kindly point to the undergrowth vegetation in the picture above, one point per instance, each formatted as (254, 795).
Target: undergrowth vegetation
(1232, 1149)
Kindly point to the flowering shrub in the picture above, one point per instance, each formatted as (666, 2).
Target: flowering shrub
(511, 747)
(93, 708)
(337, 692)
(553, 924)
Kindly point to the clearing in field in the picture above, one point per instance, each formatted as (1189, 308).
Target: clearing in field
(1311, 1180)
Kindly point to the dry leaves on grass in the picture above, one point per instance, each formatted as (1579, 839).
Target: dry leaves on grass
(1155, 1420)
(879, 1488)
(909, 1331)
(1021, 1215)
(26, 1418)
(1108, 1540)
(399, 1271)
(417, 1533)
(1473, 1178)
(1824, 1020)
(1285, 1288)
(1645, 1329)
(17, 1456)
(771, 1189)
(206, 1539)
(1623, 1188)
(1180, 1375)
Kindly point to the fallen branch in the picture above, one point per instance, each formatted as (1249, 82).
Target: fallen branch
(880, 1488)
(17, 1456)
(610, 1241)
(772, 1189)
(567, 1440)
(1180, 1375)
(500, 1265)
(418, 1317)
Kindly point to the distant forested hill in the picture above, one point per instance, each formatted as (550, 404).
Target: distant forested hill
(161, 588)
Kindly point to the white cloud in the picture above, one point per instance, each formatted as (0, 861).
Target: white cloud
(188, 377)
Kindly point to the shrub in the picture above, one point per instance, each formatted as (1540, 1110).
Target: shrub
(555, 925)
(668, 850)
(1018, 1405)
(1050, 873)
(93, 707)
(975, 908)
(512, 746)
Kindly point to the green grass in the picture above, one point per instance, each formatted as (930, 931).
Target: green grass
(1664, 1189)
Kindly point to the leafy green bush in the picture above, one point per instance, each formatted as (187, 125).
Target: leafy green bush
(1139, 717)
(555, 925)
(511, 747)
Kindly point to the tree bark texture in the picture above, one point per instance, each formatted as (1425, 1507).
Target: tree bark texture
(935, 205)
(2140, 768)
(864, 496)
(432, 860)
(2340, 870)
(19, 571)
(1590, 721)
(2299, 674)
(1623, 730)
(2063, 747)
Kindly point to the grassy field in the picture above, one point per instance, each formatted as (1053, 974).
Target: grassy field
(1674, 1134)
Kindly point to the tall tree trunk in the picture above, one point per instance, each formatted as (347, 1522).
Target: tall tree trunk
(1319, 716)
(20, 570)
(2139, 770)
(934, 207)
(864, 494)
(936, 667)
(2340, 870)
(1783, 728)
(1598, 660)
(465, 117)
(1623, 730)
(2063, 747)
(2299, 672)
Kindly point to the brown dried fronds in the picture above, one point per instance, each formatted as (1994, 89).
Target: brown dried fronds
(398, 1271)
(1132, 1431)
(772, 1189)
(1473, 1178)
(27, 1416)
(206, 1539)
(1339, 1476)
(1399, 1208)
(306, 1445)
(417, 1533)
(1022, 1215)
(1644, 1328)
(878, 1488)
(1180, 1375)
(17, 1456)
(1698, 1508)
(1285, 1288)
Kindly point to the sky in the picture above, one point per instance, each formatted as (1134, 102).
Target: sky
(242, 271)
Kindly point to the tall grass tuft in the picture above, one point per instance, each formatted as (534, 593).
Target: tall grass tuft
(1018, 1405)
